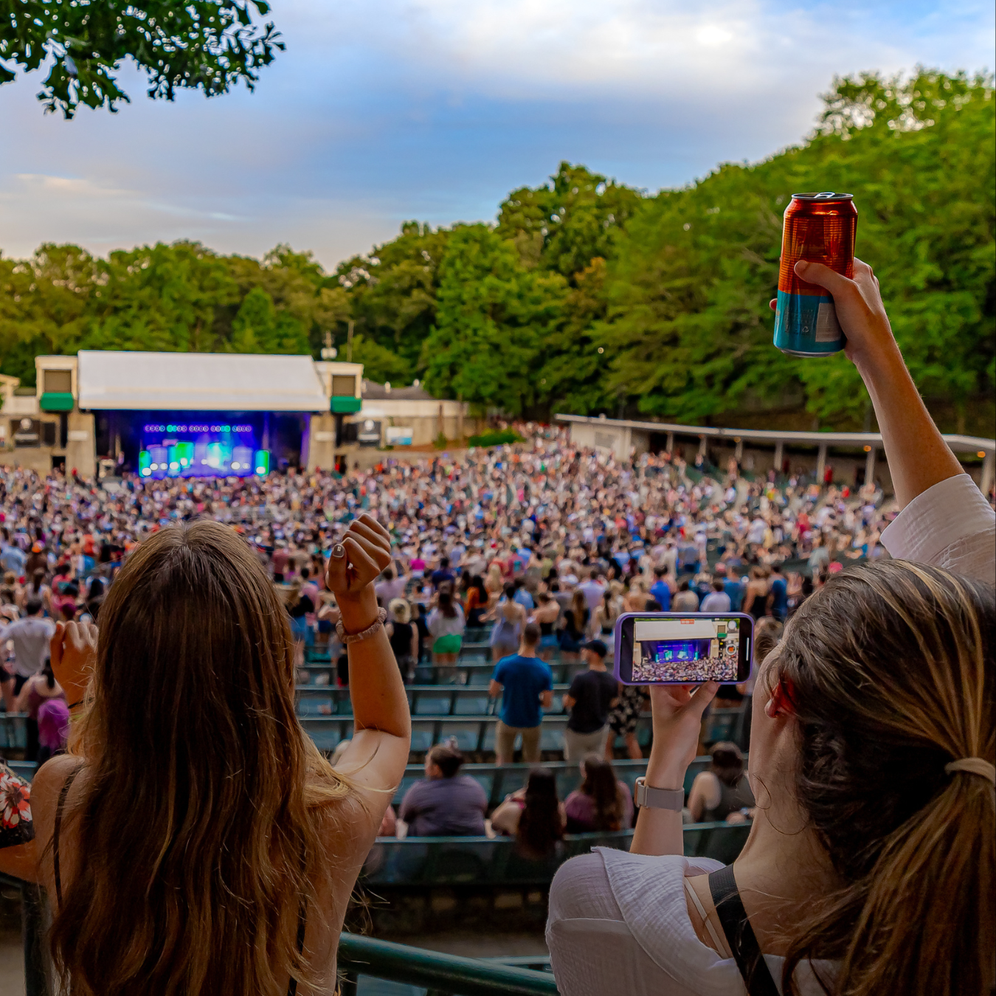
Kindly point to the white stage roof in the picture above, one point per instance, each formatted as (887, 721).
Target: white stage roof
(137, 381)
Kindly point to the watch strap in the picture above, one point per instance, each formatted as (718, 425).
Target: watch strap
(657, 798)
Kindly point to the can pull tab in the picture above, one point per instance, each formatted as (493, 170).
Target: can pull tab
(826, 194)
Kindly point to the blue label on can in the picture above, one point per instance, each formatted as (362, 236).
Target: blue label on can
(807, 324)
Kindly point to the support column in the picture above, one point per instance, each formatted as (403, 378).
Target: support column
(738, 453)
(821, 463)
(988, 469)
(670, 442)
(779, 456)
(870, 466)
(702, 446)
(460, 420)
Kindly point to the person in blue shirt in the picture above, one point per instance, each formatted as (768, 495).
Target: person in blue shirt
(522, 596)
(660, 590)
(12, 558)
(778, 593)
(732, 586)
(443, 574)
(525, 685)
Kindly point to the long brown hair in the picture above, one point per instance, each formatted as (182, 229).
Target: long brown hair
(579, 610)
(890, 672)
(600, 783)
(201, 825)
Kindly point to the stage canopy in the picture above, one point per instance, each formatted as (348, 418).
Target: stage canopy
(239, 382)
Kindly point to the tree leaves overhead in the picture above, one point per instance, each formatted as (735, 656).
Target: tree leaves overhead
(208, 45)
(589, 296)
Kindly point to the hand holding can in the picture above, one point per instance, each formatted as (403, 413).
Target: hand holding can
(818, 228)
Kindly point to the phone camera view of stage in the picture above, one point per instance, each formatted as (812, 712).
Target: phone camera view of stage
(685, 649)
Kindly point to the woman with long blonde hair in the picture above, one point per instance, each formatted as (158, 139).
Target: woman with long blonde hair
(194, 840)
(871, 862)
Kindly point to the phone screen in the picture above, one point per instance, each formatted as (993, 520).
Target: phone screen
(676, 648)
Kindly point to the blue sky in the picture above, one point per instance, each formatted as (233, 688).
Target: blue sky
(383, 110)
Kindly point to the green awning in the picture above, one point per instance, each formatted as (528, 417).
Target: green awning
(56, 401)
(342, 405)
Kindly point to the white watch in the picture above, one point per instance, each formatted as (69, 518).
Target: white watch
(654, 798)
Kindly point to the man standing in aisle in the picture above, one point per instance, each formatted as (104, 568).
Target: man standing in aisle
(525, 685)
(592, 694)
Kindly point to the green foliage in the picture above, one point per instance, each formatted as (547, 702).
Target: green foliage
(588, 296)
(688, 328)
(492, 317)
(496, 438)
(207, 45)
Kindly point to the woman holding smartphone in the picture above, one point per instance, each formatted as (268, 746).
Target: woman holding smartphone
(871, 863)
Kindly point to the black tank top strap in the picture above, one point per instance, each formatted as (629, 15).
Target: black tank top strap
(57, 828)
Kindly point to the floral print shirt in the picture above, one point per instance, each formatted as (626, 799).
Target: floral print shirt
(15, 809)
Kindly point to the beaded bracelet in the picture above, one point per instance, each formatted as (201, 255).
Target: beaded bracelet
(348, 638)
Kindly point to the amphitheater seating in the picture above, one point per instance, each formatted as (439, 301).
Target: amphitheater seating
(473, 735)
(422, 862)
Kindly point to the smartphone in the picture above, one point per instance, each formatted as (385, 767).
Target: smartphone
(678, 648)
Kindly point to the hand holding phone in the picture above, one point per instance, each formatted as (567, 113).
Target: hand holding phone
(680, 648)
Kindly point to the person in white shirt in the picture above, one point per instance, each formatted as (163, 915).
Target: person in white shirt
(30, 638)
(717, 600)
(870, 859)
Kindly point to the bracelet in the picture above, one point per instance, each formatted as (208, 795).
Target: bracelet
(348, 638)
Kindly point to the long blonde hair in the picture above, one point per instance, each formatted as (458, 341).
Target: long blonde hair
(889, 670)
(202, 822)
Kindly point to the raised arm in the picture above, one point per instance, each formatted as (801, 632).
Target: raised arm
(378, 752)
(677, 714)
(918, 456)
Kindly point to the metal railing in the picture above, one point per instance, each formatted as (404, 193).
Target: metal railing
(438, 974)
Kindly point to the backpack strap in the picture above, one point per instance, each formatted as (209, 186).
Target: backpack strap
(740, 934)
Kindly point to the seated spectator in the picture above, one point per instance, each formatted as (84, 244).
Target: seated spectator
(192, 805)
(533, 815)
(601, 803)
(869, 866)
(723, 790)
(445, 803)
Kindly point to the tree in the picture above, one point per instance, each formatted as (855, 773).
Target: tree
(565, 224)
(207, 45)
(492, 318)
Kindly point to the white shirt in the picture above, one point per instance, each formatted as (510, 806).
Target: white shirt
(619, 922)
(619, 926)
(949, 525)
(30, 637)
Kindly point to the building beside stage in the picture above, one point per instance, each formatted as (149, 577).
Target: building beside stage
(207, 414)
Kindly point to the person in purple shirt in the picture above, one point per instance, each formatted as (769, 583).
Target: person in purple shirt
(445, 803)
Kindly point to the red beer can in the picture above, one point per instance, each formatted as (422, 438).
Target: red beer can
(819, 228)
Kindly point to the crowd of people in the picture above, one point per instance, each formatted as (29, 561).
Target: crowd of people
(192, 838)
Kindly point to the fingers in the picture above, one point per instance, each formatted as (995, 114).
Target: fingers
(372, 533)
(368, 520)
(362, 562)
(375, 550)
(703, 695)
(823, 276)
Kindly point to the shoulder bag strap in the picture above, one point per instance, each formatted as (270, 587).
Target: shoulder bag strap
(740, 934)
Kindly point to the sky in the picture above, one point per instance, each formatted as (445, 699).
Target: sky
(385, 110)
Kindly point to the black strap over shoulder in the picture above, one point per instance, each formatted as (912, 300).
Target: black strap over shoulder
(740, 934)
